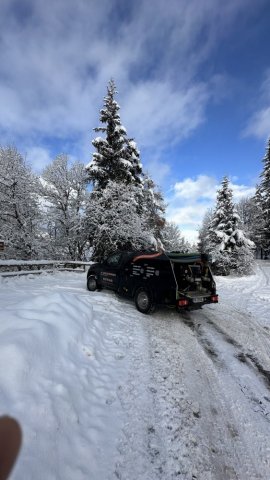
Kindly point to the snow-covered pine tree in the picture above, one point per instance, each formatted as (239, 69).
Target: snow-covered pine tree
(64, 190)
(228, 245)
(152, 208)
(117, 158)
(114, 221)
(258, 223)
(264, 191)
(19, 209)
(132, 157)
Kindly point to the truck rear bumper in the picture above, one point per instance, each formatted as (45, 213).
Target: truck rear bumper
(195, 301)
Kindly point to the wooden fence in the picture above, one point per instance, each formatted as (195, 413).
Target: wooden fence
(11, 268)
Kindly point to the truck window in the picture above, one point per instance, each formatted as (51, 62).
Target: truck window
(114, 260)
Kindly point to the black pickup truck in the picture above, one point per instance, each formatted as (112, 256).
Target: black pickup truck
(179, 280)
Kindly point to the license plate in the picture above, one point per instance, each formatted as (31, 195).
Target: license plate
(198, 299)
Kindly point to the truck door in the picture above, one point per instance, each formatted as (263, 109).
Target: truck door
(110, 271)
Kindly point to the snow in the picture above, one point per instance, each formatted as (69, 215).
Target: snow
(125, 162)
(103, 392)
(120, 129)
(94, 166)
(99, 140)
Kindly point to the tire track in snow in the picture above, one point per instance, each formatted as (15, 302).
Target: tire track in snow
(207, 337)
(242, 330)
(176, 412)
(253, 339)
(243, 388)
(140, 448)
(197, 417)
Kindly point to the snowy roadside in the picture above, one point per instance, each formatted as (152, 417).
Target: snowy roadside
(62, 360)
(104, 392)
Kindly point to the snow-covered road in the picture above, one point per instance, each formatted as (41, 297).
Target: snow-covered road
(103, 392)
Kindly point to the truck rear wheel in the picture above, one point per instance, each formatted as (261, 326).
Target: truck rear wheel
(143, 300)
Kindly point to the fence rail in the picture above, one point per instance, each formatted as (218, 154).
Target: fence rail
(9, 268)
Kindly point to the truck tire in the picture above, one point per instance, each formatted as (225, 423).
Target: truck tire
(92, 283)
(143, 300)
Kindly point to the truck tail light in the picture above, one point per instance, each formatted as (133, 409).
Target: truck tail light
(214, 298)
(183, 302)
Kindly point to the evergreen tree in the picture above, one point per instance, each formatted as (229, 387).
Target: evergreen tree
(114, 221)
(117, 158)
(258, 222)
(19, 209)
(133, 162)
(264, 201)
(117, 162)
(152, 207)
(223, 219)
(231, 250)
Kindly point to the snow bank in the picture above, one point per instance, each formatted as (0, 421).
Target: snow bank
(60, 365)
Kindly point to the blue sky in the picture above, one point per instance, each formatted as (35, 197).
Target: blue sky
(193, 78)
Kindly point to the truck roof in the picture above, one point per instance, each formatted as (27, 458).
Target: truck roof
(175, 257)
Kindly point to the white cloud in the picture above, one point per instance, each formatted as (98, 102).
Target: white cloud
(191, 189)
(57, 57)
(240, 191)
(158, 170)
(259, 123)
(188, 201)
(38, 157)
(190, 235)
(163, 114)
(187, 214)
